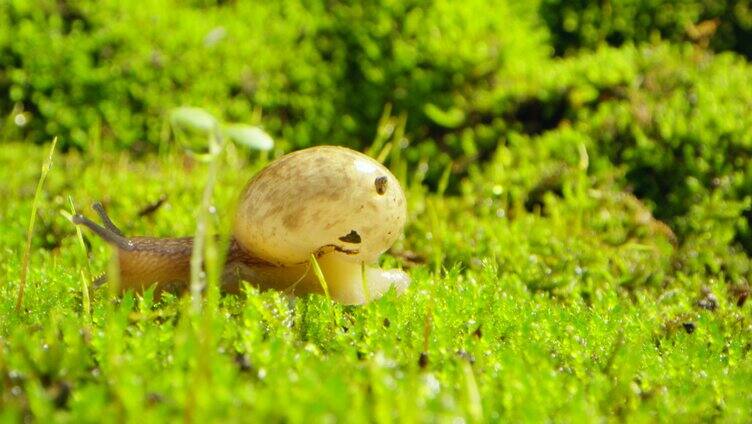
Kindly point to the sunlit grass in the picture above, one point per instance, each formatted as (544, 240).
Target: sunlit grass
(30, 232)
(542, 315)
(86, 279)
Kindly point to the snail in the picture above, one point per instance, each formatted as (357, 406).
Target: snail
(337, 204)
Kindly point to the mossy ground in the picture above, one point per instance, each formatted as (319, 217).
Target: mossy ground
(566, 310)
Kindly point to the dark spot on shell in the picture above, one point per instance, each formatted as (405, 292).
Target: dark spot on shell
(292, 220)
(380, 184)
(333, 195)
(272, 212)
(351, 237)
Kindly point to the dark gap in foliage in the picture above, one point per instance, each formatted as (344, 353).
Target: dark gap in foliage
(581, 24)
(536, 116)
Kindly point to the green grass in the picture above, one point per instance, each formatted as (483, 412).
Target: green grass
(572, 309)
(30, 231)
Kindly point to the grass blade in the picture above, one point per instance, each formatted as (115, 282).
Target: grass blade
(32, 220)
(85, 272)
(366, 290)
(320, 275)
(474, 402)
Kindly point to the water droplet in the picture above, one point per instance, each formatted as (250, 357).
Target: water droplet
(20, 119)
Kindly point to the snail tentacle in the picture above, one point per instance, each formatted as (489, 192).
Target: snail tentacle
(107, 234)
(106, 221)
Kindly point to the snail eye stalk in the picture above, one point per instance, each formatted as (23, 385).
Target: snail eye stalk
(109, 232)
(99, 209)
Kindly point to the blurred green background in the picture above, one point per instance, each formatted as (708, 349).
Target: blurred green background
(656, 91)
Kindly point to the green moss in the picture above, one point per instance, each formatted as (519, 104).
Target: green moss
(566, 303)
(721, 25)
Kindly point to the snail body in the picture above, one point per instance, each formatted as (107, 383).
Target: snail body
(337, 204)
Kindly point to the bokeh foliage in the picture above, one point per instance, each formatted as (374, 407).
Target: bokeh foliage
(720, 24)
(108, 67)
(466, 77)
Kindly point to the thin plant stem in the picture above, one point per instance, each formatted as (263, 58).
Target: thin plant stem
(320, 275)
(198, 278)
(86, 271)
(32, 220)
(366, 289)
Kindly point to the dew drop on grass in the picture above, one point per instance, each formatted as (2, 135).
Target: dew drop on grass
(20, 120)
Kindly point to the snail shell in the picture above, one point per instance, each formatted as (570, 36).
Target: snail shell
(318, 199)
